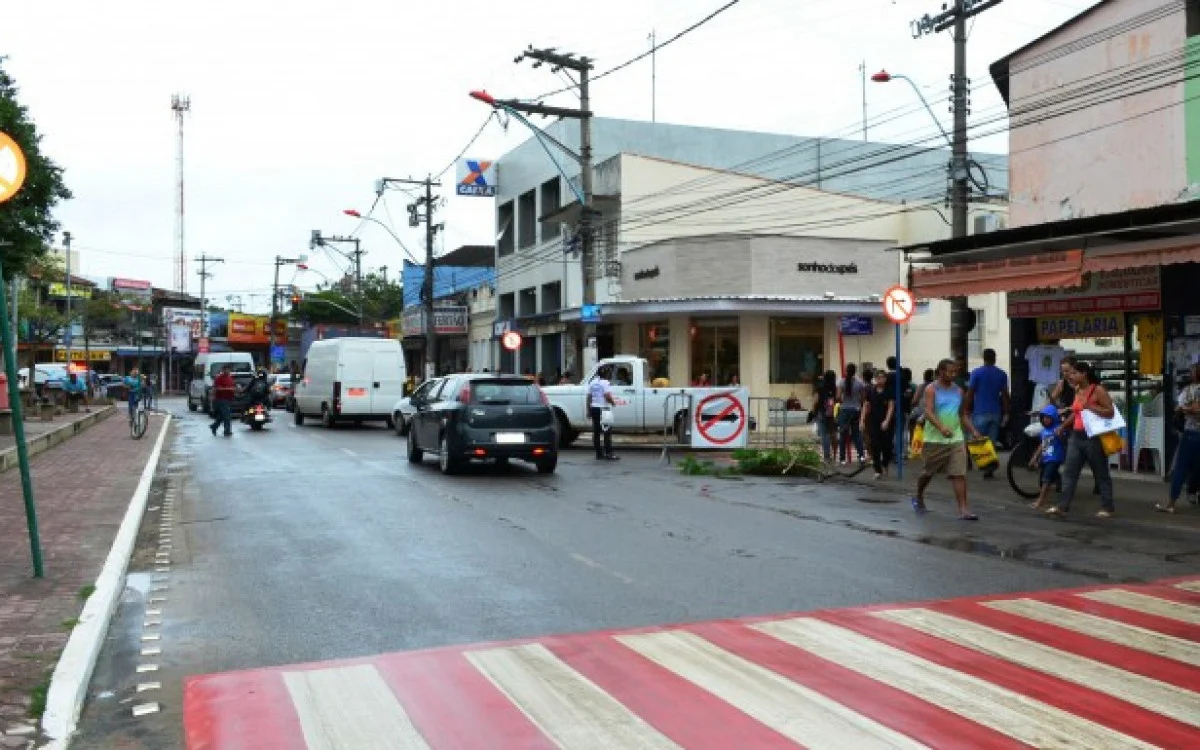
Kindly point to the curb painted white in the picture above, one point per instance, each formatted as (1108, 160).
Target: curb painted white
(68, 685)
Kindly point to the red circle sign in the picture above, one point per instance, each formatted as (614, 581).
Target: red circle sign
(706, 424)
(511, 340)
(899, 305)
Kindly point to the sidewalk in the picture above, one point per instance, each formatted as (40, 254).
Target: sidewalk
(64, 427)
(82, 490)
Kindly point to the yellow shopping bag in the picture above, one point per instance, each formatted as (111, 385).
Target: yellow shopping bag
(1112, 442)
(983, 453)
(918, 441)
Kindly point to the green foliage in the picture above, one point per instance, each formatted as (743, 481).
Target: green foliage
(382, 301)
(26, 220)
(799, 459)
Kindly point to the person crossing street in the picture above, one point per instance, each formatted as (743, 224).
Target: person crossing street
(224, 389)
(600, 397)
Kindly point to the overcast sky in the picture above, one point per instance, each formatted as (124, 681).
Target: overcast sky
(298, 107)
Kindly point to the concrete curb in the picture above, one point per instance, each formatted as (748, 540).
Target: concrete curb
(46, 441)
(68, 685)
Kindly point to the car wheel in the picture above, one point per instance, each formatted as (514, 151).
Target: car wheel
(415, 454)
(298, 418)
(192, 405)
(447, 463)
(566, 435)
(548, 464)
(256, 426)
(326, 418)
(398, 424)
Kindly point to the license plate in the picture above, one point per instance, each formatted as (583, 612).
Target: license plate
(358, 391)
(259, 417)
(510, 437)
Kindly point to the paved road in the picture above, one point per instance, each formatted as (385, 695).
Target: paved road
(303, 545)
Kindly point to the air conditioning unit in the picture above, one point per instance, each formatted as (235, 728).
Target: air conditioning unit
(988, 223)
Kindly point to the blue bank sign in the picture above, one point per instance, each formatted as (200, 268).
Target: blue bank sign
(476, 178)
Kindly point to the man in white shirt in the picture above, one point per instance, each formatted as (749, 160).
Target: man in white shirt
(600, 397)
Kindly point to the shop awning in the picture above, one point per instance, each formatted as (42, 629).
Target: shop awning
(1044, 271)
(1119, 261)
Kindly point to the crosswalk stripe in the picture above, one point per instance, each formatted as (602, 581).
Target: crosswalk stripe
(1132, 636)
(1189, 586)
(795, 711)
(1151, 605)
(350, 707)
(1153, 695)
(564, 704)
(1018, 716)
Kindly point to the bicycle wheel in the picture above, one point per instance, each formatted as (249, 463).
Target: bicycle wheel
(1026, 481)
(141, 421)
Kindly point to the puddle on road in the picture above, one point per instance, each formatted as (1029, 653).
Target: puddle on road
(1020, 553)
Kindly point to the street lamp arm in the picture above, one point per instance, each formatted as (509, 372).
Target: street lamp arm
(542, 137)
(388, 229)
(928, 109)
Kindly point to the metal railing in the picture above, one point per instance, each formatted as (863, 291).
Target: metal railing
(771, 424)
(677, 430)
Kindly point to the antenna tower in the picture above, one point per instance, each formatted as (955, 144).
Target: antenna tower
(180, 105)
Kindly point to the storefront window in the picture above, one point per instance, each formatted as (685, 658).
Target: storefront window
(715, 354)
(654, 345)
(797, 349)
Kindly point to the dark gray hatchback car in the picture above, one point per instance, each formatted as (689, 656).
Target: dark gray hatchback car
(484, 416)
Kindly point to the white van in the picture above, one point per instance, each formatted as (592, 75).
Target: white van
(207, 367)
(351, 380)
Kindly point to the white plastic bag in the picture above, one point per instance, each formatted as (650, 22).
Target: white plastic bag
(1094, 424)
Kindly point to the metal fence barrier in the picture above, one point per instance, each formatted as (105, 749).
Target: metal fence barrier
(772, 425)
(676, 430)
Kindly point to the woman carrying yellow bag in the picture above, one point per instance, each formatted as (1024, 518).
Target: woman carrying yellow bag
(1082, 449)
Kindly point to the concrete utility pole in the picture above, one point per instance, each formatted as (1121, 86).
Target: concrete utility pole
(275, 294)
(429, 201)
(587, 215)
(204, 273)
(955, 17)
(319, 240)
(67, 334)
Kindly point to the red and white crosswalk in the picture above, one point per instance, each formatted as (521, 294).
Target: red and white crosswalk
(1103, 667)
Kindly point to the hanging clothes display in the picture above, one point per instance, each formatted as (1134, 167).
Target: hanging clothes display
(1151, 343)
(1044, 362)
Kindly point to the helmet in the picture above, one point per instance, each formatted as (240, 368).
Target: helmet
(262, 373)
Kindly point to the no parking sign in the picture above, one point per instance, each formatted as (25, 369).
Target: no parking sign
(720, 420)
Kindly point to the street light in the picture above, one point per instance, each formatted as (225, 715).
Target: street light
(358, 215)
(885, 77)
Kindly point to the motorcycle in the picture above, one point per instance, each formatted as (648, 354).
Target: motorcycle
(257, 416)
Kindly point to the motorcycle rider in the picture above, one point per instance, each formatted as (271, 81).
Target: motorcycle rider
(259, 390)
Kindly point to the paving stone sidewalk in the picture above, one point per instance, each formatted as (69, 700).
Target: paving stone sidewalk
(82, 489)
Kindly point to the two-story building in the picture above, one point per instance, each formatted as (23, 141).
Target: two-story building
(1102, 260)
(725, 254)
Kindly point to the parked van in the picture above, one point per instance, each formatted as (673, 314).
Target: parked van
(350, 380)
(207, 367)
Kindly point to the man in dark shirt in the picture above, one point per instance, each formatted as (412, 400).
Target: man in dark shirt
(224, 389)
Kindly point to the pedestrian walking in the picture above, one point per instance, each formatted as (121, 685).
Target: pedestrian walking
(600, 398)
(148, 391)
(850, 394)
(824, 410)
(987, 402)
(224, 389)
(1081, 449)
(879, 422)
(945, 448)
(1187, 456)
(1050, 454)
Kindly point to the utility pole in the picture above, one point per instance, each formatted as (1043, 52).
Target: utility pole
(383, 270)
(415, 217)
(653, 77)
(955, 17)
(319, 240)
(862, 69)
(67, 334)
(275, 294)
(204, 273)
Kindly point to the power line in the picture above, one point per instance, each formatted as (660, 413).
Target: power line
(467, 147)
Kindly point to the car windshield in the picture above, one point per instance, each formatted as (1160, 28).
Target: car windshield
(504, 392)
(281, 379)
(237, 368)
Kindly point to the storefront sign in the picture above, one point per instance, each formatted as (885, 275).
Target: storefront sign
(83, 355)
(476, 178)
(501, 327)
(837, 268)
(255, 329)
(1086, 326)
(59, 289)
(646, 273)
(856, 325)
(181, 338)
(182, 316)
(132, 287)
(1127, 290)
(446, 320)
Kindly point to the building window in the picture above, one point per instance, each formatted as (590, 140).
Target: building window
(715, 354)
(527, 302)
(508, 307)
(527, 219)
(504, 227)
(654, 345)
(552, 296)
(797, 350)
(551, 201)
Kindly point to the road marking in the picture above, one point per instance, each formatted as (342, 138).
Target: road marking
(1150, 605)
(350, 707)
(1168, 700)
(1132, 636)
(564, 704)
(795, 711)
(593, 564)
(1018, 716)
(145, 709)
(1189, 586)
(148, 686)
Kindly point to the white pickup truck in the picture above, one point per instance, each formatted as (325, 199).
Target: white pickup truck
(641, 407)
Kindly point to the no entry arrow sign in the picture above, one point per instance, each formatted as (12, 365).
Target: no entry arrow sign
(899, 304)
(721, 420)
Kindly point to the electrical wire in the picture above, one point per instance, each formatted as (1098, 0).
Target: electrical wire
(467, 147)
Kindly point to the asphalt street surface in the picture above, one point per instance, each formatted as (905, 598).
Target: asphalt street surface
(306, 544)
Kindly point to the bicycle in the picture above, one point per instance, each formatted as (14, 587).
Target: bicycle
(139, 420)
(1023, 476)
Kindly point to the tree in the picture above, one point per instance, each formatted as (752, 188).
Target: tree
(26, 222)
(382, 301)
(100, 312)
